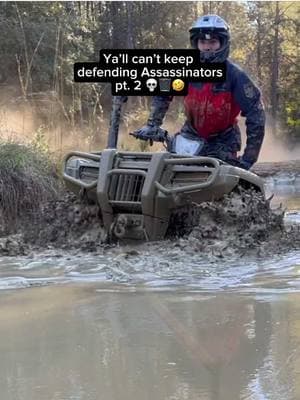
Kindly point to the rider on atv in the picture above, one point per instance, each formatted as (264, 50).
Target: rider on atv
(212, 108)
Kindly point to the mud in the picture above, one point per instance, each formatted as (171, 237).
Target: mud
(65, 224)
(241, 224)
(265, 169)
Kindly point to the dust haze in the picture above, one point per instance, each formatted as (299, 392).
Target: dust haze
(274, 150)
(22, 123)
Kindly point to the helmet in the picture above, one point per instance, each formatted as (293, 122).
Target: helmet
(208, 27)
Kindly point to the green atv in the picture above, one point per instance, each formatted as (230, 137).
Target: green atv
(138, 193)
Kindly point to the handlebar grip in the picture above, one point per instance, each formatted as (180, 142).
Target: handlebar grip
(161, 135)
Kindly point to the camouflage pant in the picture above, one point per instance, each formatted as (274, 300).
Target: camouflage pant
(223, 146)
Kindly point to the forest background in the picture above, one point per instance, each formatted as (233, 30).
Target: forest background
(42, 40)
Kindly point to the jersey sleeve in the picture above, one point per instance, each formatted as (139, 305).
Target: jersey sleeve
(248, 97)
(159, 107)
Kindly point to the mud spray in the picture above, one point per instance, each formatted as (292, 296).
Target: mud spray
(241, 224)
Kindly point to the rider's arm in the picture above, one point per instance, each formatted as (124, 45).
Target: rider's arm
(159, 107)
(152, 131)
(248, 97)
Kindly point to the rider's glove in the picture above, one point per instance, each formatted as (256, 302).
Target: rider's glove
(244, 163)
(151, 133)
(152, 130)
(147, 132)
(251, 152)
(240, 162)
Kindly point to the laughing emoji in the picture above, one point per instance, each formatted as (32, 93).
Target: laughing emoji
(178, 85)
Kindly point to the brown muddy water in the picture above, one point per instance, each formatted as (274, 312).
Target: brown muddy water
(136, 323)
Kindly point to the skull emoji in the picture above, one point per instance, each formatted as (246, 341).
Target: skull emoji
(151, 84)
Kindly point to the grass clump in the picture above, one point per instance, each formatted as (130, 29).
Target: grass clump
(27, 180)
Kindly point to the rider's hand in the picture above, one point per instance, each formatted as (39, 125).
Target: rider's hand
(245, 164)
(147, 132)
(241, 163)
(153, 133)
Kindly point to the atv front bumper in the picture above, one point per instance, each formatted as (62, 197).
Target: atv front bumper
(138, 192)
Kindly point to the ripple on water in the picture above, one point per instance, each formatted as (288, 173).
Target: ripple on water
(276, 274)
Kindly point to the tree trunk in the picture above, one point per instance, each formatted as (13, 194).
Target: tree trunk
(258, 48)
(206, 7)
(275, 69)
(129, 10)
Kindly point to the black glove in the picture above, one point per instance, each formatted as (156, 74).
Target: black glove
(153, 133)
(152, 130)
(240, 162)
(244, 163)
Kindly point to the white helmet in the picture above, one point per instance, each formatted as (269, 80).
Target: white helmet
(208, 27)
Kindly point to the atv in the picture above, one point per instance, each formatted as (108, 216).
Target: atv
(138, 193)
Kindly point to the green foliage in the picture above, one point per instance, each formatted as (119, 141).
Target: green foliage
(44, 39)
(26, 181)
(292, 115)
(39, 141)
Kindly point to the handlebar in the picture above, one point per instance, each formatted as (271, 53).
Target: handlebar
(160, 135)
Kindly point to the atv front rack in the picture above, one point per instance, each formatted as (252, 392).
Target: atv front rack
(138, 192)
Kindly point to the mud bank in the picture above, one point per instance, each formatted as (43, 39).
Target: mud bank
(265, 169)
(241, 224)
